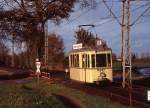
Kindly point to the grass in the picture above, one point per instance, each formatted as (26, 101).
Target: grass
(141, 64)
(33, 95)
(117, 65)
(22, 96)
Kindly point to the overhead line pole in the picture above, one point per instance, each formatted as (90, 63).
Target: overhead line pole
(13, 52)
(46, 44)
(126, 47)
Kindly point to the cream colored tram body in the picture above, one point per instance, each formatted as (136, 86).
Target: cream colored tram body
(90, 65)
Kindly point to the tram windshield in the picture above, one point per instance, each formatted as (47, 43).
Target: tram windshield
(103, 60)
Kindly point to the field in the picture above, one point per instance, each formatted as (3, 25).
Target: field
(117, 66)
(4, 71)
(43, 95)
(7, 73)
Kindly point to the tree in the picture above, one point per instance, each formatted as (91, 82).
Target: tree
(3, 53)
(29, 18)
(145, 56)
(55, 50)
(88, 39)
(85, 37)
(133, 57)
(88, 3)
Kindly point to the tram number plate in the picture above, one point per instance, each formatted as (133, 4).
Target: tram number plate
(148, 95)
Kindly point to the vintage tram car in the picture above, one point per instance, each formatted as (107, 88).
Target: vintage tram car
(91, 65)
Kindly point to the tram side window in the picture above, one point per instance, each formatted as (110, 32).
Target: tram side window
(88, 61)
(93, 61)
(85, 61)
(109, 60)
(77, 60)
(74, 60)
(101, 60)
(71, 60)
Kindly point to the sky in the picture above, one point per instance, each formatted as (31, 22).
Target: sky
(106, 26)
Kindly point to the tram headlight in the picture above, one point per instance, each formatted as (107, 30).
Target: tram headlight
(102, 70)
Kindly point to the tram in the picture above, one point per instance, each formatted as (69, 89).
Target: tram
(90, 65)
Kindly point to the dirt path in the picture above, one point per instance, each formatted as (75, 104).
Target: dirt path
(69, 101)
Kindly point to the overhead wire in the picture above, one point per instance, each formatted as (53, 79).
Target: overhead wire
(114, 16)
(142, 22)
(108, 17)
(110, 10)
(80, 15)
(137, 19)
(135, 9)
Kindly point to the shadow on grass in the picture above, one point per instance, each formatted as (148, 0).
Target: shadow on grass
(67, 101)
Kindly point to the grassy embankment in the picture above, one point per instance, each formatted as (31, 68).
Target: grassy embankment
(33, 95)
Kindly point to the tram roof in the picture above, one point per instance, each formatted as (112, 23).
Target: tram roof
(98, 49)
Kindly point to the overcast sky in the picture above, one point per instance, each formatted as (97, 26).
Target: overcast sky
(106, 27)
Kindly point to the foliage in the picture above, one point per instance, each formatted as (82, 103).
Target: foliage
(3, 53)
(88, 3)
(88, 39)
(24, 21)
(85, 37)
(55, 49)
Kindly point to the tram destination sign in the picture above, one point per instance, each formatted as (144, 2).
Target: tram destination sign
(77, 46)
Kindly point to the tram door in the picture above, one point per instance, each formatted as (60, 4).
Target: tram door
(85, 66)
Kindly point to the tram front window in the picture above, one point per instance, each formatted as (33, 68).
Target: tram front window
(101, 60)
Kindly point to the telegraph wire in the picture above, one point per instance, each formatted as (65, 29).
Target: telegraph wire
(114, 16)
(80, 15)
(108, 17)
(110, 10)
(140, 16)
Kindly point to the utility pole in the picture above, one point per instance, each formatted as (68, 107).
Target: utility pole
(126, 47)
(46, 43)
(13, 52)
